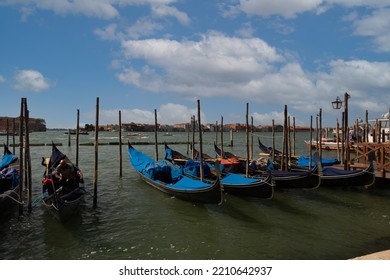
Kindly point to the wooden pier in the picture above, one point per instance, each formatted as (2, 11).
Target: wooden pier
(382, 153)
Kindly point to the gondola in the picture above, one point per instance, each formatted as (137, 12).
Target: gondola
(232, 183)
(268, 150)
(171, 180)
(9, 179)
(60, 196)
(297, 179)
(333, 177)
(232, 163)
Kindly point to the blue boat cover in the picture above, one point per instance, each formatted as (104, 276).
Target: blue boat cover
(159, 170)
(187, 183)
(332, 171)
(7, 160)
(279, 173)
(193, 168)
(238, 179)
(304, 161)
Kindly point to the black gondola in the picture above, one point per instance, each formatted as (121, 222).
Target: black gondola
(171, 180)
(232, 183)
(297, 179)
(338, 177)
(9, 179)
(61, 196)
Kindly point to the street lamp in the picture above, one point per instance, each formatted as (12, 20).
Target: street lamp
(337, 104)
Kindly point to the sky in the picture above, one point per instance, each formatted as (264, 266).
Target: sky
(138, 56)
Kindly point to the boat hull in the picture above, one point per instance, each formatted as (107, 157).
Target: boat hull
(212, 194)
(64, 207)
(296, 179)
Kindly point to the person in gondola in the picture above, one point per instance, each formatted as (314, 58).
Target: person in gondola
(65, 175)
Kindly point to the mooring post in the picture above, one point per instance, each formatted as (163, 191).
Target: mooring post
(7, 129)
(21, 156)
(311, 142)
(120, 143)
(155, 135)
(28, 161)
(13, 135)
(77, 137)
(247, 140)
(95, 175)
(251, 139)
(222, 137)
(200, 145)
(68, 137)
(273, 140)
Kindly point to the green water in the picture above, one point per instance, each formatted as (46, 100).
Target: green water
(134, 221)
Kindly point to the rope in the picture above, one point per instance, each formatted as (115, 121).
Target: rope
(39, 199)
(10, 197)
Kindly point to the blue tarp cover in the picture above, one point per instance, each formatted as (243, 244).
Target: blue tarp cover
(6, 160)
(187, 183)
(193, 168)
(304, 161)
(147, 166)
(332, 171)
(238, 179)
(152, 169)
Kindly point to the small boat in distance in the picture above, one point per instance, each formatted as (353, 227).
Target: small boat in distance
(74, 132)
(327, 144)
(137, 135)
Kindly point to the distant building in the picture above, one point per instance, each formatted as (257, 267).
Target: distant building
(33, 124)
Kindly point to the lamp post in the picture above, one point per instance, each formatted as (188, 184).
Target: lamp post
(337, 104)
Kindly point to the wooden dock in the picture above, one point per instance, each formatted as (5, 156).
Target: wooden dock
(382, 154)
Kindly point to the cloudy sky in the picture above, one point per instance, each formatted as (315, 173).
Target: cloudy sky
(142, 55)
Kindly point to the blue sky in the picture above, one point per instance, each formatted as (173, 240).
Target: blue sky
(142, 55)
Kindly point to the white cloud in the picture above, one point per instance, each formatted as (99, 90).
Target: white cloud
(159, 10)
(105, 9)
(266, 119)
(377, 26)
(97, 8)
(167, 114)
(108, 33)
(367, 82)
(250, 69)
(30, 80)
(142, 28)
(295, 7)
(204, 67)
(246, 31)
(278, 7)
(2, 79)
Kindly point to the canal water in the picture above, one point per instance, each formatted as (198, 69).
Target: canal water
(134, 221)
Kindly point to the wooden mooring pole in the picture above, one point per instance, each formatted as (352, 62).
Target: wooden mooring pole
(155, 135)
(95, 173)
(13, 134)
(247, 140)
(200, 145)
(77, 136)
(21, 155)
(311, 142)
(69, 137)
(28, 160)
(120, 143)
(222, 137)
